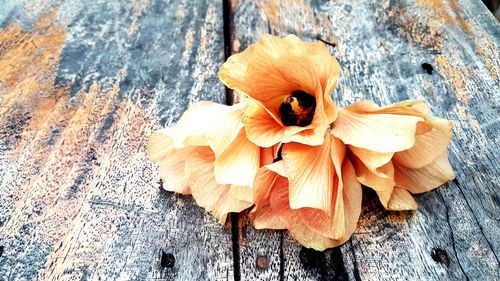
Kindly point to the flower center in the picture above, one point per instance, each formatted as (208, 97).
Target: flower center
(297, 109)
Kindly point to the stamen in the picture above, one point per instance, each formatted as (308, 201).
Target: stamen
(297, 109)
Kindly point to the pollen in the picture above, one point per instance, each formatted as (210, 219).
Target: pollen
(297, 109)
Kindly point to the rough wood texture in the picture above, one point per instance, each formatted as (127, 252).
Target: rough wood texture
(381, 46)
(82, 85)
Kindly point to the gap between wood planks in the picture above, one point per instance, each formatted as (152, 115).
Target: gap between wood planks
(336, 260)
(228, 31)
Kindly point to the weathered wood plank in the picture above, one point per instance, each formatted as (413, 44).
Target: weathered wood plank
(382, 46)
(82, 85)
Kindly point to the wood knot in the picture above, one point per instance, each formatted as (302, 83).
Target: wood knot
(440, 256)
(167, 260)
(262, 262)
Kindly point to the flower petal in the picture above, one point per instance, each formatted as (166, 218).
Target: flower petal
(218, 199)
(328, 70)
(426, 178)
(382, 181)
(297, 221)
(233, 72)
(371, 159)
(172, 171)
(238, 162)
(427, 146)
(293, 221)
(266, 180)
(191, 127)
(374, 131)
(220, 136)
(310, 172)
(408, 107)
(401, 200)
(263, 130)
(299, 72)
(160, 145)
(352, 196)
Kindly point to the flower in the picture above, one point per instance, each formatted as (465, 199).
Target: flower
(396, 149)
(313, 192)
(214, 163)
(290, 82)
(288, 150)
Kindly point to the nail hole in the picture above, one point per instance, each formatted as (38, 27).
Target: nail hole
(1, 250)
(440, 256)
(262, 262)
(428, 68)
(311, 258)
(167, 260)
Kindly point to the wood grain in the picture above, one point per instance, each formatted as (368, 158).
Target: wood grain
(381, 46)
(82, 85)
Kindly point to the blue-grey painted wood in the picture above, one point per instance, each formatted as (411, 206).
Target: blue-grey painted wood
(82, 86)
(381, 46)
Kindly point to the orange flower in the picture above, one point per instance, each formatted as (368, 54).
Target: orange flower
(313, 192)
(291, 82)
(396, 149)
(213, 162)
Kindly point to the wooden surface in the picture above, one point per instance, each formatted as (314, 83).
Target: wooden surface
(83, 84)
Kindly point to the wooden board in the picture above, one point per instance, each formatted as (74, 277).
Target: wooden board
(381, 46)
(82, 86)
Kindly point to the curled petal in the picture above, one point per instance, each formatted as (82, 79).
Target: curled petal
(266, 180)
(298, 222)
(310, 171)
(160, 149)
(328, 70)
(427, 146)
(363, 127)
(234, 70)
(263, 130)
(194, 123)
(426, 178)
(352, 194)
(218, 199)
(401, 200)
(408, 107)
(238, 162)
(382, 181)
(172, 171)
(371, 159)
(222, 126)
(160, 144)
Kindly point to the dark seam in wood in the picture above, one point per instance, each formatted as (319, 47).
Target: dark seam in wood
(227, 15)
(355, 262)
(282, 256)
(235, 233)
(236, 246)
(338, 265)
(325, 41)
(475, 218)
(452, 236)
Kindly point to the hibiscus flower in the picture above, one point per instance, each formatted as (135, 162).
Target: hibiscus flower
(313, 192)
(396, 149)
(290, 82)
(207, 154)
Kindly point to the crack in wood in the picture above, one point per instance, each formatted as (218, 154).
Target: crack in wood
(452, 236)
